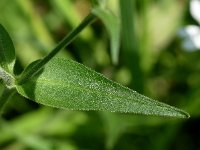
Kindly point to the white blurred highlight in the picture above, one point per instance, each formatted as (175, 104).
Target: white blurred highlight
(195, 9)
(191, 33)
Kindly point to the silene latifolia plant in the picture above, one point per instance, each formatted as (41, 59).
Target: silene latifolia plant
(66, 84)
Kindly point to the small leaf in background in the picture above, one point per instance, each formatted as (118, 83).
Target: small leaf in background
(158, 17)
(113, 26)
(67, 84)
(7, 51)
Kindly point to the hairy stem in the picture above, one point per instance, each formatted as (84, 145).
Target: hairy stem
(26, 75)
(6, 78)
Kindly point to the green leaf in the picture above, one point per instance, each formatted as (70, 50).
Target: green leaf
(30, 68)
(67, 84)
(99, 3)
(7, 51)
(112, 24)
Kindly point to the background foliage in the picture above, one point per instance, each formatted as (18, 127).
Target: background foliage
(161, 69)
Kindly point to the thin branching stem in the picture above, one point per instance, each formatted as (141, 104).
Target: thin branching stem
(26, 75)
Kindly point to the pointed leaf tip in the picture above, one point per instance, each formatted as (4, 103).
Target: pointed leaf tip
(70, 85)
(185, 114)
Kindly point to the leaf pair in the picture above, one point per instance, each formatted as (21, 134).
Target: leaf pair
(67, 84)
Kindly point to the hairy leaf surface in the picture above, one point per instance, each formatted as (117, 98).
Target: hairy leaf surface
(7, 51)
(67, 84)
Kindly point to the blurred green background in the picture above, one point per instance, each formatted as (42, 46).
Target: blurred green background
(151, 61)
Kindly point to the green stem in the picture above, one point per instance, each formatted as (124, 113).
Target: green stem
(130, 47)
(5, 96)
(26, 75)
(6, 78)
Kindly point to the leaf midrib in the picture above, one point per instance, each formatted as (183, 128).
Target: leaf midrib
(94, 91)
